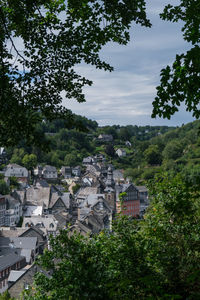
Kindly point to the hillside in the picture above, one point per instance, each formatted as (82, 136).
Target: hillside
(149, 149)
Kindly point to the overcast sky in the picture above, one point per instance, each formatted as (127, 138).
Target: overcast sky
(125, 96)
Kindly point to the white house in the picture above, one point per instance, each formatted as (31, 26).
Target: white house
(50, 172)
(121, 152)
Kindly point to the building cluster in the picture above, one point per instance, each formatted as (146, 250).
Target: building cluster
(82, 199)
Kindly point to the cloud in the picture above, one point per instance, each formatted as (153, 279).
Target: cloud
(125, 96)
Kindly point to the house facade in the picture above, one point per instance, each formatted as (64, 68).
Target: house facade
(14, 170)
(121, 152)
(11, 261)
(130, 204)
(105, 138)
(49, 172)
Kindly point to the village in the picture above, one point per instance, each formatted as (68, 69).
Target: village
(82, 199)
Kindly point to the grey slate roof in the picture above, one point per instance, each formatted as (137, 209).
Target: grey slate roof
(9, 260)
(42, 183)
(24, 242)
(49, 168)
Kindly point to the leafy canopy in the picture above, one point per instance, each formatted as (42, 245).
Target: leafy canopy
(56, 36)
(180, 83)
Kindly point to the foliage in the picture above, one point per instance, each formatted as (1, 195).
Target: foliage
(6, 296)
(13, 182)
(173, 150)
(109, 150)
(29, 161)
(117, 259)
(57, 36)
(4, 189)
(133, 174)
(180, 83)
(75, 188)
(17, 156)
(149, 173)
(70, 160)
(171, 228)
(152, 155)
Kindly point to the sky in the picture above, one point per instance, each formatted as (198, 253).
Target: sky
(124, 96)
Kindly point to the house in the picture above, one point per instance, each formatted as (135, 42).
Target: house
(76, 171)
(95, 212)
(19, 195)
(18, 281)
(88, 160)
(30, 232)
(47, 224)
(49, 172)
(128, 144)
(118, 176)
(66, 172)
(144, 201)
(14, 170)
(84, 192)
(34, 232)
(120, 152)
(93, 169)
(37, 196)
(60, 202)
(2, 210)
(38, 171)
(63, 218)
(12, 260)
(105, 138)
(27, 245)
(131, 200)
(13, 211)
(79, 228)
(100, 158)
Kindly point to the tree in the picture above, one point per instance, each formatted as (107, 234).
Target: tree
(4, 189)
(117, 259)
(70, 160)
(152, 155)
(180, 83)
(171, 229)
(109, 150)
(17, 156)
(75, 188)
(33, 80)
(173, 150)
(29, 161)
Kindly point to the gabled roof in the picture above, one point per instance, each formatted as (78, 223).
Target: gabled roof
(24, 242)
(9, 260)
(42, 222)
(42, 183)
(37, 230)
(49, 168)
